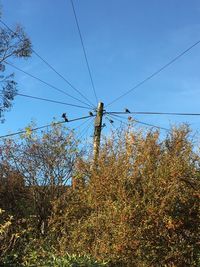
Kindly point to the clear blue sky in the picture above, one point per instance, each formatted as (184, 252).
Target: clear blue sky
(126, 40)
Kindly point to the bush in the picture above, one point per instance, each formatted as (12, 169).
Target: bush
(141, 206)
(6, 238)
(138, 207)
(51, 260)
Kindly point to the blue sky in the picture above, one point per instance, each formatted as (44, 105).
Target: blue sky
(126, 41)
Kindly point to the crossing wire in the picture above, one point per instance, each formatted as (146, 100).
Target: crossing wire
(84, 51)
(73, 143)
(155, 73)
(80, 132)
(85, 129)
(83, 123)
(137, 121)
(45, 126)
(49, 65)
(51, 100)
(155, 113)
(46, 83)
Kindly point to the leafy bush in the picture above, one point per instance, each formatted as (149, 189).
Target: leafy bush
(138, 207)
(67, 260)
(141, 206)
(7, 238)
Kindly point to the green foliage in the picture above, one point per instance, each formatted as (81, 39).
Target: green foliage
(50, 260)
(65, 261)
(13, 44)
(8, 238)
(39, 253)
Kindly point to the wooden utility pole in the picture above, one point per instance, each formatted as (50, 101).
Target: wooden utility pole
(97, 131)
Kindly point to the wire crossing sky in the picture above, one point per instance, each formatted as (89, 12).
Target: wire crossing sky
(84, 51)
(155, 73)
(126, 41)
(46, 83)
(49, 65)
(30, 129)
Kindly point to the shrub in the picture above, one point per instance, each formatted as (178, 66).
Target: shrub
(141, 205)
(138, 207)
(49, 259)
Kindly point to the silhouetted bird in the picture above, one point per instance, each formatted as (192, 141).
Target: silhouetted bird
(130, 118)
(91, 114)
(127, 111)
(65, 117)
(111, 121)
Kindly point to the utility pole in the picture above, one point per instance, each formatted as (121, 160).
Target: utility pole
(97, 131)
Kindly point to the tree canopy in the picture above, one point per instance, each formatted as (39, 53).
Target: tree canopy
(13, 44)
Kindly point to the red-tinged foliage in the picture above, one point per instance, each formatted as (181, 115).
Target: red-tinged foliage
(14, 197)
(141, 205)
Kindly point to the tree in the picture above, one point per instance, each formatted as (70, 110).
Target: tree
(46, 163)
(13, 44)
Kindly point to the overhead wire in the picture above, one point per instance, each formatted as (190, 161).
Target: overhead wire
(114, 117)
(155, 113)
(86, 128)
(129, 91)
(73, 143)
(51, 101)
(84, 51)
(110, 122)
(155, 73)
(140, 122)
(83, 123)
(80, 125)
(46, 83)
(50, 66)
(44, 126)
(152, 125)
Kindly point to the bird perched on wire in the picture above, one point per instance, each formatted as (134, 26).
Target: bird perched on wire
(130, 118)
(64, 116)
(111, 121)
(126, 110)
(91, 114)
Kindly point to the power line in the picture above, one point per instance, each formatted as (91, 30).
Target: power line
(85, 129)
(20, 150)
(84, 135)
(84, 51)
(49, 65)
(107, 117)
(45, 126)
(155, 73)
(79, 137)
(46, 83)
(50, 100)
(156, 113)
(61, 76)
(152, 125)
(137, 121)
(83, 123)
